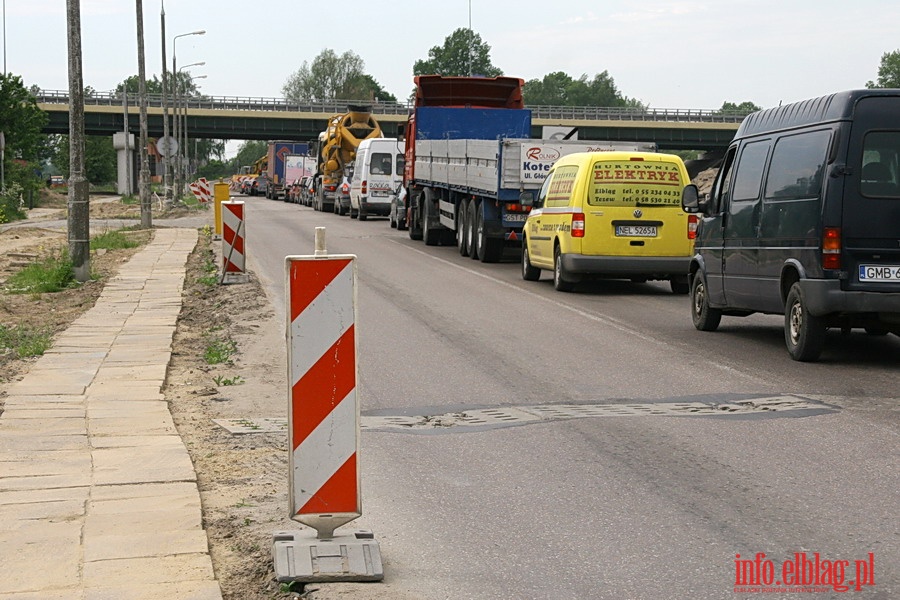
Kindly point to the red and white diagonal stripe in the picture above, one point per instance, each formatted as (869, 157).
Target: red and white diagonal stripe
(233, 234)
(324, 409)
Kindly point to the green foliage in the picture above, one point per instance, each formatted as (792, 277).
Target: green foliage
(744, 108)
(99, 158)
(560, 89)
(464, 53)
(25, 342)
(215, 169)
(112, 240)
(11, 203)
(222, 381)
(20, 119)
(219, 351)
(330, 76)
(249, 152)
(52, 274)
(888, 71)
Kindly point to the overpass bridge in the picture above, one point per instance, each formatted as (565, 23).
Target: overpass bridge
(231, 117)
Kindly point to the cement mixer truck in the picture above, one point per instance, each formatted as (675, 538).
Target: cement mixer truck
(337, 150)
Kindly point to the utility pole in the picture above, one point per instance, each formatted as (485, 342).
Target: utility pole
(166, 156)
(146, 218)
(79, 224)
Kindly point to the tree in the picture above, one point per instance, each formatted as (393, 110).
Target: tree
(888, 71)
(560, 89)
(463, 54)
(745, 107)
(249, 152)
(99, 157)
(20, 121)
(331, 76)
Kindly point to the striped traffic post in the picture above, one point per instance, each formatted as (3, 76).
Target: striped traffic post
(323, 422)
(234, 254)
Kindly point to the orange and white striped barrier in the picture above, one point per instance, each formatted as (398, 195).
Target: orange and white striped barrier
(323, 423)
(201, 190)
(233, 249)
(324, 412)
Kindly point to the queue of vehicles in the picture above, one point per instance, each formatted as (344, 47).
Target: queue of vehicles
(799, 221)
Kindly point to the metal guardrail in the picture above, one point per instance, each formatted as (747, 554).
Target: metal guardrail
(332, 107)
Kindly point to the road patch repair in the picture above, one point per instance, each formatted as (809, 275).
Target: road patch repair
(427, 421)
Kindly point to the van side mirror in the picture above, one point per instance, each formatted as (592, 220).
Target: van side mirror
(526, 199)
(690, 199)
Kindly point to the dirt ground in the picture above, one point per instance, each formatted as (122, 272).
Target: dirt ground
(242, 479)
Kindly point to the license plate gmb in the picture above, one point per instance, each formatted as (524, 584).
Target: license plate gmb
(879, 273)
(636, 230)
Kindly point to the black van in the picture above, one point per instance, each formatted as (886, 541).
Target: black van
(804, 220)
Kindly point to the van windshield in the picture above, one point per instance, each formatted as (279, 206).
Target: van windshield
(881, 165)
(381, 164)
(635, 183)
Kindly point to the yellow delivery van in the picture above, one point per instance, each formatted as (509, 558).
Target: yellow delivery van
(610, 215)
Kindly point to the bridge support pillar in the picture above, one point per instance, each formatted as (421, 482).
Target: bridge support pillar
(125, 162)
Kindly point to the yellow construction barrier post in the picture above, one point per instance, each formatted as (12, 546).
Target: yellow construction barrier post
(221, 193)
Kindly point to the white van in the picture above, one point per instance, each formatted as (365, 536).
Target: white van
(377, 174)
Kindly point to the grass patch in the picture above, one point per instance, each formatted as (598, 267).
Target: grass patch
(53, 274)
(113, 240)
(219, 351)
(24, 342)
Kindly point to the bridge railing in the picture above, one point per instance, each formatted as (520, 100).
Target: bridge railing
(332, 107)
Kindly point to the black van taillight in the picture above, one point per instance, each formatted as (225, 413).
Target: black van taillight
(831, 248)
(693, 221)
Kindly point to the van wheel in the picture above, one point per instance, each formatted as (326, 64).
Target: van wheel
(680, 285)
(559, 274)
(529, 273)
(804, 333)
(361, 215)
(462, 227)
(705, 318)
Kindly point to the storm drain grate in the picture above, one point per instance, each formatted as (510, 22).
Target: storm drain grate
(518, 415)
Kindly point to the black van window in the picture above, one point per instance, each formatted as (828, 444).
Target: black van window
(880, 165)
(719, 197)
(748, 178)
(798, 166)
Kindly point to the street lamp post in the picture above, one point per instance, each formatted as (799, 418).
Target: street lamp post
(184, 115)
(175, 74)
(179, 87)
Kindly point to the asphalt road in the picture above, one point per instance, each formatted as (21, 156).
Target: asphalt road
(658, 455)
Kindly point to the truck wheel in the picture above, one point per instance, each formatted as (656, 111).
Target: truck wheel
(804, 333)
(462, 225)
(430, 236)
(529, 273)
(479, 238)
(472, 208)
(704, 317)
(559, 273)
(414, 218)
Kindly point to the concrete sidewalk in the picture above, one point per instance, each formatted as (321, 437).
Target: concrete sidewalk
(98, 496)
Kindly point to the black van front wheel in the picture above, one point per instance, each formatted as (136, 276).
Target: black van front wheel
(705, 317)
(804, 333)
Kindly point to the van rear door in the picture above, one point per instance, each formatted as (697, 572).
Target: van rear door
(870, 213)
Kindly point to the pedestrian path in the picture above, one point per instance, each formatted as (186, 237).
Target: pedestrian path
(98, 495)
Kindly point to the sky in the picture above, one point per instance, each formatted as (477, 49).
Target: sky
(666, 53)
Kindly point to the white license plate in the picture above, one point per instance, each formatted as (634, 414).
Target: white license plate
(379, 193)
(636, 230)
(879, 272)
(515, 217)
